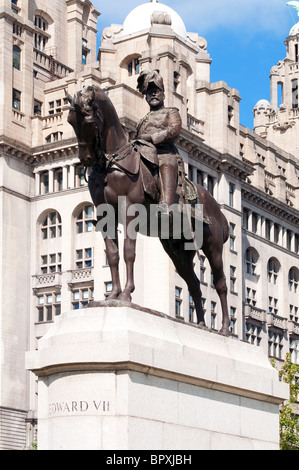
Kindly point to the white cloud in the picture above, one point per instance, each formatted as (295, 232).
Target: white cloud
(256, 15)
(204, 16)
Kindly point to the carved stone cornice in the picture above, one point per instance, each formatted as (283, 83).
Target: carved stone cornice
(270, 204)
(55, 151)
(15, 149)
(224, 163)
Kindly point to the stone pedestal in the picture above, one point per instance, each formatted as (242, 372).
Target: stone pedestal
(117, 377)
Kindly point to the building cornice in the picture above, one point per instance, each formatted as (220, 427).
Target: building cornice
(222, 162)
(270, 204)
(15, 149)
(55, 151)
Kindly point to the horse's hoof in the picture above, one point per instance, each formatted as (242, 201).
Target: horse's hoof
(123, 297)
(224, 332)
(113, 297)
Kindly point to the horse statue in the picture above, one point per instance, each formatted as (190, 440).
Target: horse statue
(119, 173)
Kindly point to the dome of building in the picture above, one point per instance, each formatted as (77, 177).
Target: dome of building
(140, 19)
(294, 30)
(262, 105)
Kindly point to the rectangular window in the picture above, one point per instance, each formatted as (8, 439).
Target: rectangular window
(254, 222)
(37, 108)
(231, 194)
(268, 229)
(245, 218)
(232, 237)
(178, 301)
(48, 305)
(84, 258)
(232, 278)
(130, 69)
(137, 67)
(192, 312)
(16, 100)
(16, 60)
(295, 94)
(273, 306)
(213, 315)
(44, 178)
(84, 57)
(233, 320)
(202, 269)
(81, 297)
(14, 4)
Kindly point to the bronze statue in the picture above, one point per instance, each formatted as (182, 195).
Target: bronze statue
(129, 172)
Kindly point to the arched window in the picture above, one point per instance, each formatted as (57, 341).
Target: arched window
(130, 66)
(293, 279)
(273, 270)
(41, 36)
(16, 58)
(251, 259)
(133, 67)
(51, 226)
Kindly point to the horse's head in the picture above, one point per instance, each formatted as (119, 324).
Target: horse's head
(86, 119)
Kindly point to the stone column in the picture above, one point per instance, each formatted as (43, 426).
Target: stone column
(51, 181)
(64, 178)
(71, 176)
(37, 184)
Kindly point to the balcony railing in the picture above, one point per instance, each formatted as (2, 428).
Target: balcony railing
(255, 313)
(275, 321)
(42, 281)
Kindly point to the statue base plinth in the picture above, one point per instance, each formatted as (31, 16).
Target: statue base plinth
(113, 377)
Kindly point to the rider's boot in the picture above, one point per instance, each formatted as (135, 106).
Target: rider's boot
(168, 175)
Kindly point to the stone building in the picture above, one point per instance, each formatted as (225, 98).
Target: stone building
(52, 259)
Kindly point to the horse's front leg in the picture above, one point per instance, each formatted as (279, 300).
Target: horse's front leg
(130, 237)
(129, 258)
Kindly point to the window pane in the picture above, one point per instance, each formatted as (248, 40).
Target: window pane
(40, 314)
(49, 313)
(88, 226)
(76, 295)
(16, 57)
(88, 211)
(79, 227)
(85, 294)
(58, 310)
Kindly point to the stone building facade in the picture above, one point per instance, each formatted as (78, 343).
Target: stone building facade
(52, 259)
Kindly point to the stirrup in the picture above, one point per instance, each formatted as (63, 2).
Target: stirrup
(163, 209)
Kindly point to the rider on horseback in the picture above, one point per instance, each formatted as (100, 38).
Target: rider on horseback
(161, 126)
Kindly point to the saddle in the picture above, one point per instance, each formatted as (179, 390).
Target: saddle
(144, 159)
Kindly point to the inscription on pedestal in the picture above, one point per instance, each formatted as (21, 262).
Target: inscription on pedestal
(79, 407)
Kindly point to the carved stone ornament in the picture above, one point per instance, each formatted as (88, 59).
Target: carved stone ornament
(160, 17)
(111, 31)
(283, 126)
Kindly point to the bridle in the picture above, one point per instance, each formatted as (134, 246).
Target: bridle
(103, 161)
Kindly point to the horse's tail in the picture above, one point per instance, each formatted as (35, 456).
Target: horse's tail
(225, 230)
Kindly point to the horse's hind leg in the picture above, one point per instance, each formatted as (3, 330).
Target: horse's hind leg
(183, 261)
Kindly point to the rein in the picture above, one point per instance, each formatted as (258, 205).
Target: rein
(115, 158)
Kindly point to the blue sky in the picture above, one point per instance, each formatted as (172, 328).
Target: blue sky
(245, 39)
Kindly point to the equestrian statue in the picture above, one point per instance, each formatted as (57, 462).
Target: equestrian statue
(147, 171)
